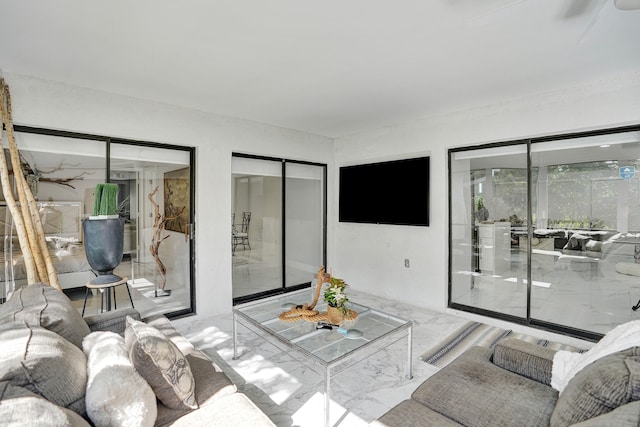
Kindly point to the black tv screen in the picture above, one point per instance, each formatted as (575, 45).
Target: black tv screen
(395, 192)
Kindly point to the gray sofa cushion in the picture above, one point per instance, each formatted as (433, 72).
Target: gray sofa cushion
(599, 388)
(21, 407)
(473, 391)
(524, 358)
(235, 410)
(42, 305)
(44, 363)
(211, 385)
(410, 413)
(112, 321)
(624, 416)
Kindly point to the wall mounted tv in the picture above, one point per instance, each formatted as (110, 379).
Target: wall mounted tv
(394, 192)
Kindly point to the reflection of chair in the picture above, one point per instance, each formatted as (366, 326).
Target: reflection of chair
(242, 237)
(233, 232)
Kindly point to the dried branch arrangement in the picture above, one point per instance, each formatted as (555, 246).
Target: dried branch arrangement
(159, 223)
(34, 175)
(24, 208)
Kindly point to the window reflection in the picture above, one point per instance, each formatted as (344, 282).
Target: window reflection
(581, 247)
(63, 170)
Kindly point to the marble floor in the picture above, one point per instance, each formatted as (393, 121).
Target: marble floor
(292, 394)
(593, 297)
(594, 300)
(142, 295)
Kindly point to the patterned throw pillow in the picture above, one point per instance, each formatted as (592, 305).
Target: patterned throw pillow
(162, 364)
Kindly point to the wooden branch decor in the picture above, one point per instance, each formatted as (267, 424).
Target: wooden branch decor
(24, 210)
(159, 222)
(308, 312)
(34, 176)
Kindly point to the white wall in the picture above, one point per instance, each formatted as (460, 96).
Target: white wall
(371, 257)
(54, 105)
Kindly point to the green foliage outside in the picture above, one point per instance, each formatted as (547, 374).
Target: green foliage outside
(582, 195)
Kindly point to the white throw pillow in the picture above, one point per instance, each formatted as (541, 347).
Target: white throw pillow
(116, 394)
(567, 364)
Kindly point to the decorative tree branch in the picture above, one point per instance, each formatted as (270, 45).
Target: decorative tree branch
(159, 222)
(34, 175)
(26, 216)
(62, 181)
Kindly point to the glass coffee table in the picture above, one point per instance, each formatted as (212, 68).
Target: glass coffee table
(326, 351)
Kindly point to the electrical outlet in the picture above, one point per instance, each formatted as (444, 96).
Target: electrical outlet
(406, 262)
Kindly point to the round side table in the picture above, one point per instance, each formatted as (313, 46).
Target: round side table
(107, 287)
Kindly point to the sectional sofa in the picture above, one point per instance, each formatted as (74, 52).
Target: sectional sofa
(511, 386)
(52, 373)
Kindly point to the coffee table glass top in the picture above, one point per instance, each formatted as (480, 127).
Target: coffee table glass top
(326, 346)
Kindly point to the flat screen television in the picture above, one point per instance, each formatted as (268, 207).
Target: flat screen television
(393, 192)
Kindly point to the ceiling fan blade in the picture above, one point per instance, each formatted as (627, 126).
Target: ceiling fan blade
(627, 4)
(474, 11)
(577, 8)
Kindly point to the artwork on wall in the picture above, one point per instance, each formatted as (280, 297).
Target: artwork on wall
(176, 198)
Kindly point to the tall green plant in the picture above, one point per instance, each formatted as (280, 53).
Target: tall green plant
(105, 199)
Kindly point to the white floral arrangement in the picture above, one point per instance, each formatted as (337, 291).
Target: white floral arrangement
(335, 295)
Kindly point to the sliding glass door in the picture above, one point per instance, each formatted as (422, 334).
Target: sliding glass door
(155, 199)
(256, 226)
(278, 224)
(155, 187)
(62, 173)
(488, 215)
(546, 231)
(587, 231)
(304, 221)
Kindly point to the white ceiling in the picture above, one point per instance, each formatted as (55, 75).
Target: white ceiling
(327, 67)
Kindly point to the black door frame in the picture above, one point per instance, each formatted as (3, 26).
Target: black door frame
(192, 169)
(528, 320)
(284, 288)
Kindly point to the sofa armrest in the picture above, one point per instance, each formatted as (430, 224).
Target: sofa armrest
(114, 321)
(524, 358)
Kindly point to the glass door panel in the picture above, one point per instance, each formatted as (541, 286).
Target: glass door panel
(63, 169)
(488, 216)
(62, 173)
(586, 238)
(256, 225)
(304, 222)
(155, 197)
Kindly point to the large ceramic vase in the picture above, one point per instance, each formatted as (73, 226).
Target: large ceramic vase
(103, 244)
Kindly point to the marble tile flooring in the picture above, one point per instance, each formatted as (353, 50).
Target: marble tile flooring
(291, 394)
(142, 294)
(595, 298)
